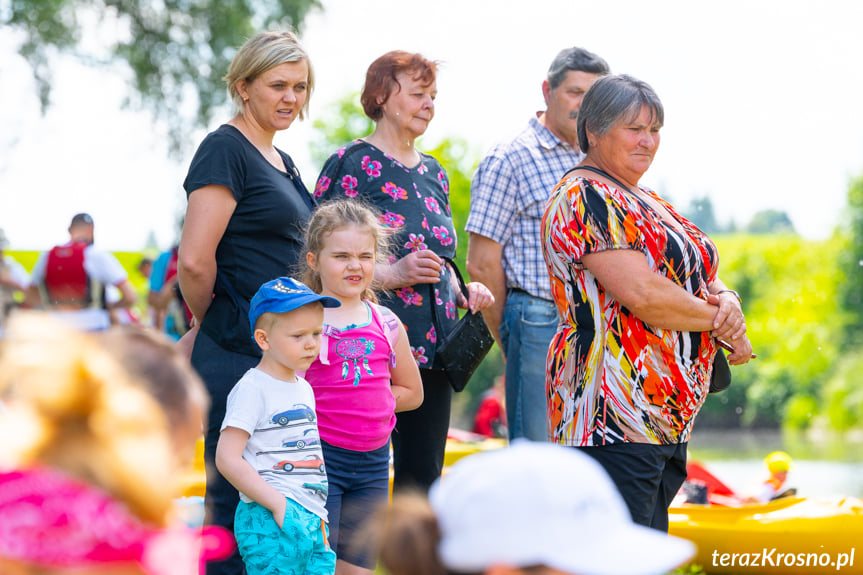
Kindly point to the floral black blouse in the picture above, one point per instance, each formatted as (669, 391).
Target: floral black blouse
(414, 202)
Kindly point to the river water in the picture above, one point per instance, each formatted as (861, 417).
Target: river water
(823, 466)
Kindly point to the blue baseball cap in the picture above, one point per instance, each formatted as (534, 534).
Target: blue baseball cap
(283, 295)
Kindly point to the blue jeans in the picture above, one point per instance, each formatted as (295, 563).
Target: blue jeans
(528, 325)
(358, 484)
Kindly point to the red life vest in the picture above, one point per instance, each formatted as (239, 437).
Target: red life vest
(66, 281)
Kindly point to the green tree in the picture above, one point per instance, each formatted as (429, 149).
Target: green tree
(770, 222)
(702, 215)
(851, 268)
(176, 49)
(789, 297)
(341, 122)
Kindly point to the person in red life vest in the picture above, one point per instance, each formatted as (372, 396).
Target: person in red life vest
(490, 418)
(70, 279)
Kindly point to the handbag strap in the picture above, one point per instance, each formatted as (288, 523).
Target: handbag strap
(433, 301)
(604, 174)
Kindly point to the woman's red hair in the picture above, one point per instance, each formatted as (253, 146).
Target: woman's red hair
(381, 80)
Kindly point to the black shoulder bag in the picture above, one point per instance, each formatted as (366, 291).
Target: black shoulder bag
(461, 351)
(720, 375)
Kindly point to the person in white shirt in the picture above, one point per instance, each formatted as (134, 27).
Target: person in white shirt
(89, 312)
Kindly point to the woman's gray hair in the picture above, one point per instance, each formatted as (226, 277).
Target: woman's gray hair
(262, 52)
(613, 99)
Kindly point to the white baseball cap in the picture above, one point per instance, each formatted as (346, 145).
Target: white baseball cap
(542, 504)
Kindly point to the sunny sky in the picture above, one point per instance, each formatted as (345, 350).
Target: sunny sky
(761, 104)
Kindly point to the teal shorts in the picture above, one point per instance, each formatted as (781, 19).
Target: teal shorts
(299, 548)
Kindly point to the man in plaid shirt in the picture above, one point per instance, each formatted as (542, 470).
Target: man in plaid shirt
(508, 195)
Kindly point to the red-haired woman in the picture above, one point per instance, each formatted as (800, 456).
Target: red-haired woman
(411, 191)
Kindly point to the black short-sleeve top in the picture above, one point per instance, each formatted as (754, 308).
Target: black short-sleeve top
(264, 237)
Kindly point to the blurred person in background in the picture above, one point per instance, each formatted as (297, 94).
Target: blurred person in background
(13, 281)
(490, 418)
(71, 280)
(170, 313)
(771, 486)
(96, 435)
(531, 509)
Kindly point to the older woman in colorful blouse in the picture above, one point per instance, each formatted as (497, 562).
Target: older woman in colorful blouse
(642, 306)
(410, 189)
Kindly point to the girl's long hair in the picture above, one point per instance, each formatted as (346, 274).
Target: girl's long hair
(337, 215)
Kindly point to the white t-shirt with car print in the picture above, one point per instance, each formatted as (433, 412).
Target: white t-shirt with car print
(284, 446)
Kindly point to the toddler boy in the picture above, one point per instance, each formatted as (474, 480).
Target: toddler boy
(269, 448)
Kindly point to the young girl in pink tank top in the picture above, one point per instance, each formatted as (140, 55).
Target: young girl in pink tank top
(365, 373)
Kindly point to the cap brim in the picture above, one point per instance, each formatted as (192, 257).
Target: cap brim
(632, 550)
(329, 301)
(298, 302)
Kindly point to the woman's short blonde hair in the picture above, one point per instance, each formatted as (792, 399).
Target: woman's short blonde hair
(262, 52)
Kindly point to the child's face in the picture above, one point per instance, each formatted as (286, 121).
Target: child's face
(346, 263)
(293, 340)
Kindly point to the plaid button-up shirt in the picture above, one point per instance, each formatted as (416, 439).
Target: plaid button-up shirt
(509, 192)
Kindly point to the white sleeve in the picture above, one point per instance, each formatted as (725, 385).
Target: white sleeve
(244, 407)
(104, 267)
(37, 276)
(18, 273)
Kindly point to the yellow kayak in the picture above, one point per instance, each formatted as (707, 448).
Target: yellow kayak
(790, 535)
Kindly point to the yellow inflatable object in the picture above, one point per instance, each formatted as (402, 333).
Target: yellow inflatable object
(194, 482)
(789, 535)
(456, 449)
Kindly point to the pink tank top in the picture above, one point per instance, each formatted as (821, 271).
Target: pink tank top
(351, 380)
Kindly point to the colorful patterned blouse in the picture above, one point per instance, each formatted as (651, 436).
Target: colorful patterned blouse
(415, 202)
(610, 377)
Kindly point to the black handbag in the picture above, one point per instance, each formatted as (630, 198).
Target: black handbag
(461, 351)
(720, 378)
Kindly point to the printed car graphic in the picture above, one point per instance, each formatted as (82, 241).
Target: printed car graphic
(299, 411)
(310, 462)
(306, 441)
(320, 489)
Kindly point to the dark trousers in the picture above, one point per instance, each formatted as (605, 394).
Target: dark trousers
(419, 438)
(220, 369)
(647, 476)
